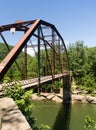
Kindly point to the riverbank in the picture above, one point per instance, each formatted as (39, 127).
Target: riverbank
(76, 96)
(83, 98)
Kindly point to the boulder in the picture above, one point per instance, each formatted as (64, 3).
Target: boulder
(84, 100)
(36, 97)
(76, 92)
(57, 99)
(94, 100)
(59, 95)
(45, 94)
(89, 99)
(11, 117)
(49, 97)
(77, 97)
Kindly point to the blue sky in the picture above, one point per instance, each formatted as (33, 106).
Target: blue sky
(74, 19)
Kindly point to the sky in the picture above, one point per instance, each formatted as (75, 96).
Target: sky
(74, 19)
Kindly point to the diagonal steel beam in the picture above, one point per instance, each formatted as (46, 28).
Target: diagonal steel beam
(9, 59)
(9, 51)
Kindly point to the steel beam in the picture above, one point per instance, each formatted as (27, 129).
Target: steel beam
(9, 51)
(47, 57)
(25, 62)
(38, 60)
(9, 59)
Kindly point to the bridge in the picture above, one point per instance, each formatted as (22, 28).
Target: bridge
(33, 83)
(47, 46)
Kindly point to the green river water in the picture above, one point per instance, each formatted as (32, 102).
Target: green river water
(63, 117)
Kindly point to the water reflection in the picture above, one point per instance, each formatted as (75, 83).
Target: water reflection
(63, 118)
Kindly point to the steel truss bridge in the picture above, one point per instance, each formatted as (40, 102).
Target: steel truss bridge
(46, 45)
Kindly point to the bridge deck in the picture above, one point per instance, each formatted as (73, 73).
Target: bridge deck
(34, 82)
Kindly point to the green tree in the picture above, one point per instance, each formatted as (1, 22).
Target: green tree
(83, 63)
(77, 58)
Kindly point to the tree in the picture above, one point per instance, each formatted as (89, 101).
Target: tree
(83, 63)
(77, 58)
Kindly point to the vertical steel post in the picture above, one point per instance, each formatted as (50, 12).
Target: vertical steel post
(59, 57)
(38, 60)
(53, 56)
(25, 62)
(48, 65)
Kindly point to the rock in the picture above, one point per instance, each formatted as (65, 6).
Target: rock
(61, 91)
(57, 99)
(94, 100)
(84, 100)
(1, 87)
(84, 92)
(49, 97)
(89, 99)
(77, 97)
(11, 116)
(76, 92)
(59, 95)
(73, 97)
(42, 98)
(36, 97)
(45, 94)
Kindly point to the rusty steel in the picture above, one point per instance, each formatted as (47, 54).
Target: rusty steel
(9, 51)
(47, 57)
(25, 62)
(9, 59)
(37, 29)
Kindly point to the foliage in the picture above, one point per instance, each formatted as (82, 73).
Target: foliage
(3, 51)
(57, 85)
(44, 127)
(46, 87)
(48, 61)
(24, 102)
(22, 98)
(90, 124)
(13, 72)
(83, 64)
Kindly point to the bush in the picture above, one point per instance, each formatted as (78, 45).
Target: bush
(46, 88)
(24, 101)
(90, 124)
(56, 86)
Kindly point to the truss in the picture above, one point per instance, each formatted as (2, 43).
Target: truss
(45, 35)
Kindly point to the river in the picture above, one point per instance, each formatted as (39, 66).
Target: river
(63, 117)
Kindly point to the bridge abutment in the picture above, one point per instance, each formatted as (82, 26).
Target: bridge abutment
(66, 89)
